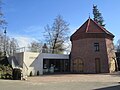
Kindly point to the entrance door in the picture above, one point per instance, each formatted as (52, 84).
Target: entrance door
(97, 65)
(78, 65)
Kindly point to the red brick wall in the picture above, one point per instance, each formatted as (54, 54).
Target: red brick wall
(84, 48)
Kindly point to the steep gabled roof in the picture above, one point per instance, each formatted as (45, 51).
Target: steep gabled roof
(90, 27)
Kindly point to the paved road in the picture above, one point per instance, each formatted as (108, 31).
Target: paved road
(64, 82)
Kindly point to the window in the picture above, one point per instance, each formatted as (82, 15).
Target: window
(96, 45)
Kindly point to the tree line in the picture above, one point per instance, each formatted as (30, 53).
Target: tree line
(7, 45)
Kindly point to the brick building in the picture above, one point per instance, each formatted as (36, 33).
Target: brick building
(92, 49)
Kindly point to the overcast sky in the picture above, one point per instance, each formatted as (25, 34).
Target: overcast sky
(27, 18)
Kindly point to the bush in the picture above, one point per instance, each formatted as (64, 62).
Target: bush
(5, 72)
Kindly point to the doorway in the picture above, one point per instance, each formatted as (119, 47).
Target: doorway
(97, 65)
(78, 65)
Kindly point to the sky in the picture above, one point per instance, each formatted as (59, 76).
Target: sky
(27, 18)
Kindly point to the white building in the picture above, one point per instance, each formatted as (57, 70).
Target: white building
(40, 63)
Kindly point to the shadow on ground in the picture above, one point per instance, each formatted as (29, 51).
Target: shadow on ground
(117, 87)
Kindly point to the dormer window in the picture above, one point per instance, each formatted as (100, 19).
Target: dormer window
(96, 46)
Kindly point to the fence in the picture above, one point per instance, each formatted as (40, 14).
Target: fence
(42, 50)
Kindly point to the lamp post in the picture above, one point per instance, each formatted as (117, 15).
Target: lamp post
(5, 41)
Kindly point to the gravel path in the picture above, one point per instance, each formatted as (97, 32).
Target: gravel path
(75, 78)
(64, 82)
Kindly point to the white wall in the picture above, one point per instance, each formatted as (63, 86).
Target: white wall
(34, 61)
(29, 59)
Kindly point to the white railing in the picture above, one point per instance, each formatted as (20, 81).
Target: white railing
(27, 49)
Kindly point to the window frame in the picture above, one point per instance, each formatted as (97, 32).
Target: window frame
(96, 47)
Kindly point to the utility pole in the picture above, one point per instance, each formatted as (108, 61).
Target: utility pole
(5, 42)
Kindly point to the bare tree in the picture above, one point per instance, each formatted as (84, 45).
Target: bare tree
(2, 27)
(12, 46)
(35, 46)
(7, 44)
(56, 35)
(3, 22)
(1, 43)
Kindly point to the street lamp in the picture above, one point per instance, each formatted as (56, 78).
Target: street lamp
(5, 41)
